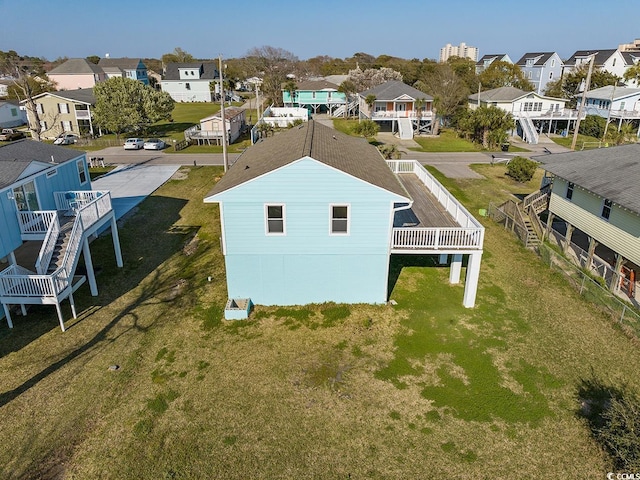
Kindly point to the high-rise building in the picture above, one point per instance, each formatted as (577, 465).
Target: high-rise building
(630, 47)
(462, 50)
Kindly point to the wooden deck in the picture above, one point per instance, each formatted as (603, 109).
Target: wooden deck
(426, 211)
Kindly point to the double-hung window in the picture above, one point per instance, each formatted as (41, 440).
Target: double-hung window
(569, 193)
(606, 209)
(275, 219)
(339, 219)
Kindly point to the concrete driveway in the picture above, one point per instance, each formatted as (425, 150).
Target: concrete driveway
(130, 184)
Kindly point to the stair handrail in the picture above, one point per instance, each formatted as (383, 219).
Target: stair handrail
(86, 216)
(48, 246)
(536, 199)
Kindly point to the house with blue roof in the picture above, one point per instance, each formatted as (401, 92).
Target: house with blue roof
(312, 215)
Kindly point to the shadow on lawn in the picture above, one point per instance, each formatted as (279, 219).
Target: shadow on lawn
(398, 262)
(148, 239)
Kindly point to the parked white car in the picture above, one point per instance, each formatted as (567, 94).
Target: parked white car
(65, 139)
(133, 144)
(154, 144)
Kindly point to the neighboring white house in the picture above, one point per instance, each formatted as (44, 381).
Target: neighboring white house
(540, 68)
(487, 60)
(617, 104)
(533, 113)
(283, 116)
(11, 115)
(610, 60)
(190, 82)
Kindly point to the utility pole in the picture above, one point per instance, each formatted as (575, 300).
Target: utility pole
(584, 99)
(225, 156)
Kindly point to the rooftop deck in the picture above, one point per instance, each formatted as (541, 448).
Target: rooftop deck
(436, 222)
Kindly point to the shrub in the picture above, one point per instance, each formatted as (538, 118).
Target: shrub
(389, 151)
(593, 126)
(620, 432)
(521, 169)
(367, 128)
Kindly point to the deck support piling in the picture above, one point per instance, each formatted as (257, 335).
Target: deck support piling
(116, 241)
(60, 319)
(443, 258)
(73, 306)
(471, 282)
(7, 314)
(91, 276)
(456, 267)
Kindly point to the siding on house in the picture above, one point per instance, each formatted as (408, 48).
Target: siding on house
(620, 233)
(307, 264)
(65, 178)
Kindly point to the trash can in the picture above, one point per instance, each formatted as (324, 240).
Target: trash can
(505, 147)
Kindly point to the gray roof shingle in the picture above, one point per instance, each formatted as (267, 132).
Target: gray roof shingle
(124, 63)
(76, 66)
(612, 173)
(393, 89)
(601, 56)
(540, 58)
(16, 156)
(209, 70)
(354, 156)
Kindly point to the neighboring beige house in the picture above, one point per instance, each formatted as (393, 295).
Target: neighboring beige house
(210, 128)
(76, 73)
(598, 192)
(65, 112)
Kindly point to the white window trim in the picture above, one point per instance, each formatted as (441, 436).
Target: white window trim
(266, 220)
(84, 168)
(603, 206)
(339, 234)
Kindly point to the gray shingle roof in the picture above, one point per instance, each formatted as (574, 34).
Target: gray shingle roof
(630, 58)
(16, 156)
(393, 89)
(81, 95)
(541, 58)
(500, 94)
(612, 173)
(125, 63)
(76, 66)
(494, 56)
(316, 85)
(600, 57)
(354, 156)
(209, 70)
(605, 93)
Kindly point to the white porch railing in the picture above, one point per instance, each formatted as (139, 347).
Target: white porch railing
(470, 234)
(391, 114)
(16, 281)
(35, 222)
(437, 238)
(48, 246)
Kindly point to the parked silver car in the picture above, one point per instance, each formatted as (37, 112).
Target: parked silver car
(154, 144)
(133, 144)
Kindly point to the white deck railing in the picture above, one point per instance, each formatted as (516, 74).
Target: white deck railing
(470, 234)
(16, 281)
(48, 246)
(75, 200)
(36, 222)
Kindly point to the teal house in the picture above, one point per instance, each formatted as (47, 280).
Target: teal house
(318, 96)
(46, 202)
(312, 215)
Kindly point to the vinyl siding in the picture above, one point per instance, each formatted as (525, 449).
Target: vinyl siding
(307, 188)
(307, 264)
(621, 233)
(302, 279)
(65, 179)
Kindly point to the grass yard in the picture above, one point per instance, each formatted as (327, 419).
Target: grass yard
(423, 389)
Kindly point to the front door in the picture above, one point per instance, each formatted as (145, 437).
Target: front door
(25, 197)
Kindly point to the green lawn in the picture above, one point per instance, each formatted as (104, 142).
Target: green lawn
(422, 389)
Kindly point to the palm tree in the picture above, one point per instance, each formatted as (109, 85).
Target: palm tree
(291, 87)
(419, 105)
(370, 100)
(348, 88)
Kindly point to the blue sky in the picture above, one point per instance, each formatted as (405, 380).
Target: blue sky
(307, 28)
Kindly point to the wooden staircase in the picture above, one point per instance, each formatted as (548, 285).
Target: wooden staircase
(66, 225)
(522, 217)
